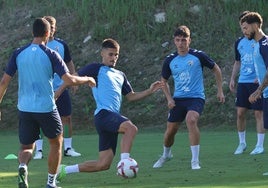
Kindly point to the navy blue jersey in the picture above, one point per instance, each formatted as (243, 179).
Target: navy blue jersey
(260, 57)
(187, 72)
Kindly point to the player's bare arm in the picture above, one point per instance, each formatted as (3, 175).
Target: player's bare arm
(235, 71)
(166, 90)
(218, 75)
(257, 94)
(133, 96)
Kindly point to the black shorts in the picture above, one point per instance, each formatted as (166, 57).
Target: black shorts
(30, 124)
(64, 103)
(183, 105)
(107, 124)
(244, 90)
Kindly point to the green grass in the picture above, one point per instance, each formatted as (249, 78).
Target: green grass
(220, 168)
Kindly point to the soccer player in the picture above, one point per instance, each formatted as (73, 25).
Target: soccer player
(251, 25)
(185, 66)
(112, 84)
(36, 65)
(63, 102)
(247, 84)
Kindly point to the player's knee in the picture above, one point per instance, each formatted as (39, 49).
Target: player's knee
(133, 129)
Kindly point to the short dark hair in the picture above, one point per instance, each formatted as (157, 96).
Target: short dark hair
(252, 17)
(110, 43)
(40, 27)
(182, 31)
(243, 14)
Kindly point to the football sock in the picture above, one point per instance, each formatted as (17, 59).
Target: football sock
(39, 144)
(242, 136)
(260, 139)
(67, 143)
(23, 165)
(51, 180)
(195, 152)
(72, 169)
(166, 151)
(125, 155)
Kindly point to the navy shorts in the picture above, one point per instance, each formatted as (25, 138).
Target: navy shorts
(244, 90)
(265, 113)
(30, 124)
(107, 124)
(183, 105)
(64, 103)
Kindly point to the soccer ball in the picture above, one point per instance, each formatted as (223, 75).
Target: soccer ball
(127, 168)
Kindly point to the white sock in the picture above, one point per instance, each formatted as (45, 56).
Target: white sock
(195, 152)
(166, 151)
(39, 144)
(260, 139)
(67, 143)
(51, 180)
(23, 165)
(125, 155)
(242, 137)
(72, 169)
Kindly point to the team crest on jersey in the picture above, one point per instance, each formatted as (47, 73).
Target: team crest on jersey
(190, 63)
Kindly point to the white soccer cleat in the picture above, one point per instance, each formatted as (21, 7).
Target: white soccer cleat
(195, 165)
(161, 161)
(70, 152)
(257, 150)
(265, 174)
(240, 149)
(38, 154)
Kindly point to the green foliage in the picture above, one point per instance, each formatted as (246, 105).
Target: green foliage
(214, 28)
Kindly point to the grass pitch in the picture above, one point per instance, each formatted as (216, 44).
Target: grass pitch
(220, 168)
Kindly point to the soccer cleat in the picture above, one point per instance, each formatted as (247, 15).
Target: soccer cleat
(61, 174)
(265, 174)
(49, 186)
(257, 150)
(23, 178)
(70, 152)
(195, 165)
(161, 161)
(38, 154)
(240, 149)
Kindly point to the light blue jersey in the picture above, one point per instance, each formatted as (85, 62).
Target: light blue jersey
(35, 61)
(111, 84)
(260, 58)
(244, 54)
(61, 47)
(187, 72)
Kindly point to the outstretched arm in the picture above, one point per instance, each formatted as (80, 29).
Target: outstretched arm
(73, 80)
(133, 96)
